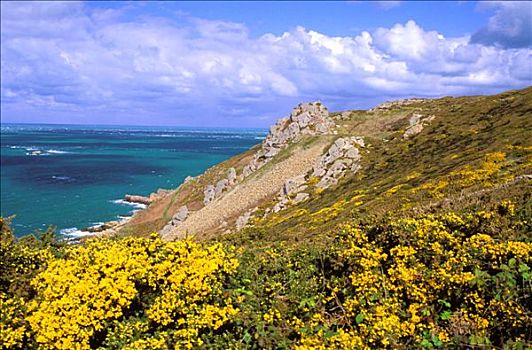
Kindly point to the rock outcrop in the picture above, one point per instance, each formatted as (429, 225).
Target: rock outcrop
(212, 192)
(243, 220)
(416, 124)
(137, 199)
(177, 219)
(305, 119)
(342, 155)
(394, 104)
(292, 191)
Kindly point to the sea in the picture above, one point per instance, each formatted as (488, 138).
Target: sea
(76, 176)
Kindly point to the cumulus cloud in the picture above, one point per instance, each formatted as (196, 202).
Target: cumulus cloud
(64, 61)
(510, 26)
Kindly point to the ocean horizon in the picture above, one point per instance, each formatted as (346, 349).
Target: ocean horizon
(74, 176)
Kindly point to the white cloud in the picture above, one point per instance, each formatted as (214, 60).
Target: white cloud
(167, 72)
(509, 26)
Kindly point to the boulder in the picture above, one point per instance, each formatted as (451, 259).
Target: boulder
(243, 220)
(413, 130)
(340, 143)
(336, 170)
(301, 197)
(357, 140)
(279, 206)
(231, 176)
(416, 124)
(352, 153)
(271, 152)
(293, 131)
(302, 119)
(415, 119)
(209, 194)
(293, 185)
(181, 215)
(305, 119)
(220, 187)
(166, 230)
(327, 181)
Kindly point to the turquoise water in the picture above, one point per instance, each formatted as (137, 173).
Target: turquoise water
(74, 176)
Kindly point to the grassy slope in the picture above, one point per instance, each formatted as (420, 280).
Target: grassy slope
(395, 171)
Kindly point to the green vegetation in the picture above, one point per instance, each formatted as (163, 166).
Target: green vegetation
(428, 246)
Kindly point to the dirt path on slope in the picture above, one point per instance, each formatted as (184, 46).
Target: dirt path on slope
(249, 193)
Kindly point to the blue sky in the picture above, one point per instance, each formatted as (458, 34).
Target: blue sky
(248, 63)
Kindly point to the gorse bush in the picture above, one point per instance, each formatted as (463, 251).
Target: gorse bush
(130, 293)
(429, 281)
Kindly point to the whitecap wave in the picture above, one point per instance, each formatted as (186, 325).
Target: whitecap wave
(122, 218)
(75, 232)
(134, 205)
(39, 151)
(61, 178)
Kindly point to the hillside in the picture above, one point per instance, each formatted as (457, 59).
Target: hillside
(404, 226)
(413, 155)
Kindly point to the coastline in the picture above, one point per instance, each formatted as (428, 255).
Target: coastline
(101, 228)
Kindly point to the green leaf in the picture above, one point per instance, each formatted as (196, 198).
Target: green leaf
(426, 344)
(523, 268)
(330, 333)
(247, 337)
(359, 318)
(446, 315)
(444, 303)
(526, 276)
(436, 341)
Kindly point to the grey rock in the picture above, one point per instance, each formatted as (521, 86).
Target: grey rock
(166, 230)
(417, 122)
(243, 220)
(278, 207)
(413, 130)
(336, 170)
(352, 153)
(415, 119)
(220, 187)
(272, 152)
(301, 197)
(181, 215)
(231, 176)
(247, 170)
(340, 143)
(292, 186)
(358, 141)
(302, 119)
(326, 182)
(293, 131)
(322, 128)
(209, 194)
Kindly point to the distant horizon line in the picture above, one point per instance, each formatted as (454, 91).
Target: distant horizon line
(137, 125)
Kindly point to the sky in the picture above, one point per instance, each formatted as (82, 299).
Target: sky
(246, 64)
